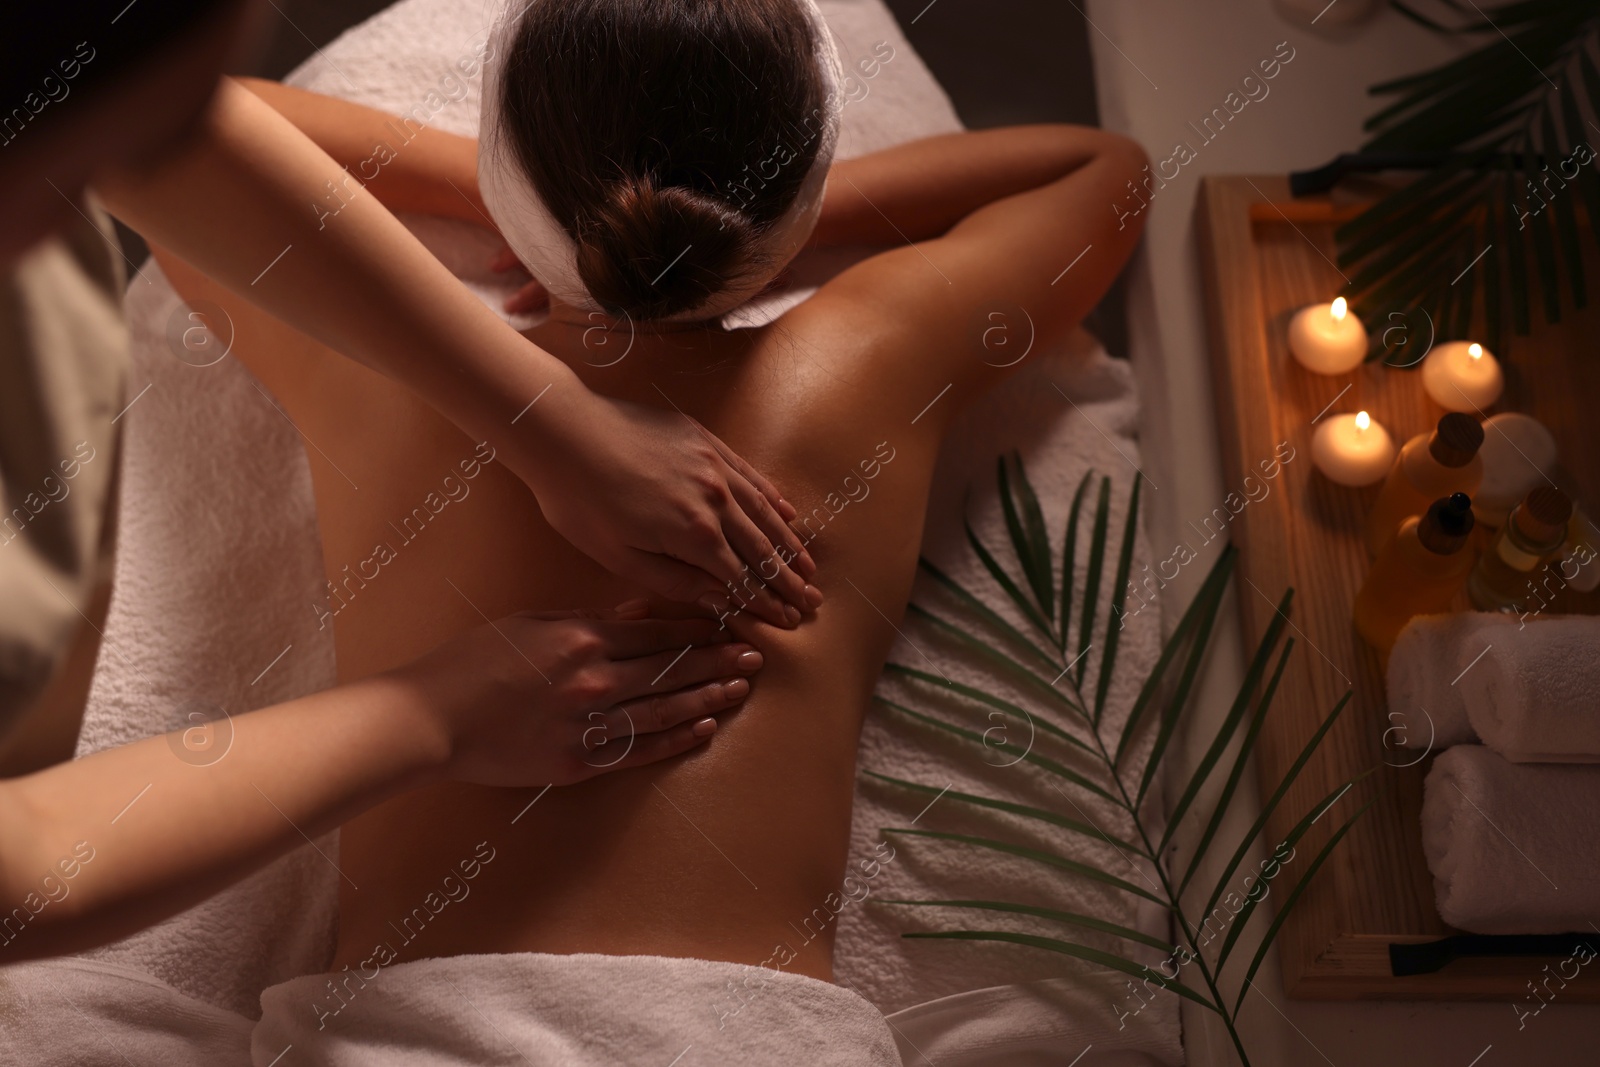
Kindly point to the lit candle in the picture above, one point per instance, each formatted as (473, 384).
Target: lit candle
(1352, 449)
(1327, 339)
(1462, 377)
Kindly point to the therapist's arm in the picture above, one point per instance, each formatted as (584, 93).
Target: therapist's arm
(97, 848)
(650, 494)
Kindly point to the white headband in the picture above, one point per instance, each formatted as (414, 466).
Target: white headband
(546, 248)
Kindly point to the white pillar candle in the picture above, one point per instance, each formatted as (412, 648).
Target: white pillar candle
(1462, 377)
(1327, 339)
(1352, 449)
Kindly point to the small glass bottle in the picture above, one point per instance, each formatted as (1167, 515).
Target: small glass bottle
(1419, 572)
(1530, 538)
(1430, 466)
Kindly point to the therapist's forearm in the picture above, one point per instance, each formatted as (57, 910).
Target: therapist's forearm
(406, 166)
(245, 203)
(95, 849)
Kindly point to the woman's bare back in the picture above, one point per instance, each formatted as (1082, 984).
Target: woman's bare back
(724, 853)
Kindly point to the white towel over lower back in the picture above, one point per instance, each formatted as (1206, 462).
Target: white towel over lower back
(1512, 846)
(542, 1010)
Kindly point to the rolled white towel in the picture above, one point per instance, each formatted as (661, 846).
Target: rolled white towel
(1511, 846)
(1426, 711)
(1535, 697)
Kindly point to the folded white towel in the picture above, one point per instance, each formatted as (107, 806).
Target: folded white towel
(581, 1010)
(1426, 708)
(109, 1015)
(1535, 696)
(1511, 846)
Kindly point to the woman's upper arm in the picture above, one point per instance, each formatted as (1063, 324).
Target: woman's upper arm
(951, 311)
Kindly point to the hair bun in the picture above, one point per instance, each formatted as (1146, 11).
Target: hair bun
(657, 250)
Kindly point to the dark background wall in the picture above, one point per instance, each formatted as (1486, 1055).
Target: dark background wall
(1002, 62)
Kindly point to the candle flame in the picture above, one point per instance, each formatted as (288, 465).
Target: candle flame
(1339, 308)
(1363, 420)
(1475, 351)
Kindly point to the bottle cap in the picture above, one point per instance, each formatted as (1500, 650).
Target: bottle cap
(1444, 529)
(1456, 440)
(1542, 516)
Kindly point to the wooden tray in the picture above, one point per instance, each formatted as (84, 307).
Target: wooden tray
(1264, 255)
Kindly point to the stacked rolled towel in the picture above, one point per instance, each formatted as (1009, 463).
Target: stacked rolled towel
(1511, 846)
(1529, 690)
(1426, 710)
(1535, 695)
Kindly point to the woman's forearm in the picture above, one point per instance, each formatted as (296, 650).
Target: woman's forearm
(100, 847)
(919, 190)
(406, 166)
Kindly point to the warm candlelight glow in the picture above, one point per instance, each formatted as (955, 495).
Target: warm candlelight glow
(1339, 307)
(1363, 420)
(1475, 351)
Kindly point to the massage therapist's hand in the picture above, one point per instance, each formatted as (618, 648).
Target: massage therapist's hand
(656, 498)
(560, 697)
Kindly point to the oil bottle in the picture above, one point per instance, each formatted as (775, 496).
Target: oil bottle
(1419, 572)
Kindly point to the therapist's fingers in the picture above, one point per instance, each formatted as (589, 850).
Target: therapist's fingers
(651, 715)
(668, 671)
(700, 581)
(760, 513)
(766, 564)
(750, 475)
(646, 749)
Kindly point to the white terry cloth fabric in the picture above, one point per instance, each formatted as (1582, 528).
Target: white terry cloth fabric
(109, 1015)
(581, 1010)
(1535, 695)
(1054, 1023)
(1511, 846)
(1059, 442)
(1426, 709)
(216, 571)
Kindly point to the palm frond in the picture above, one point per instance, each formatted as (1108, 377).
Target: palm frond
(1051, 675)
(1507, 120)
(1082, 952)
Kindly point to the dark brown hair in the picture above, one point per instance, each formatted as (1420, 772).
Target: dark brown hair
(666, 135)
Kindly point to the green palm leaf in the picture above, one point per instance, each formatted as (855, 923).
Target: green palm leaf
(1070, 918)
(1004, 580)
(1022, 754)
(1049, 859)
(1291, 839)
(1272, 802)
(1119, 599)
(1289, 903)
(1024, 810)
(1104, 959)
(1164, 687)
(1091, 579)
(956, 634)
(1245, 748)
(1069, 557)
(1028, 537)
(1003, 706)
(1501, 116)
(1206, 599)
(985, 612)
(1230, 723)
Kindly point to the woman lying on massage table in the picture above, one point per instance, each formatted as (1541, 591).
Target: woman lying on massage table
(645, 492)
(680, 140)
